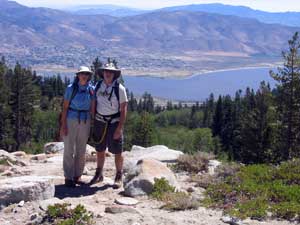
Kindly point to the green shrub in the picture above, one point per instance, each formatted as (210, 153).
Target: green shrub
(3, 162)
(61, 214)
(254, 190)
(286, 210)
(173, 200)
(256, 209)
(161, 187)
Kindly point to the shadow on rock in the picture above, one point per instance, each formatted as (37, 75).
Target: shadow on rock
(61, 191)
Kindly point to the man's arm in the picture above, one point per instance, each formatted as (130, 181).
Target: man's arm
(123, 111)
(93, 109)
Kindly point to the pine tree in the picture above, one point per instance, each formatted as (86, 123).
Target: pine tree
(288, 100)
(237, 116)
(95, 67)
(144, 131)
(218, 118)
(208, 108)
(257, 129)
(23, 97)
(227, 128)
(132, 103)
(4, 107)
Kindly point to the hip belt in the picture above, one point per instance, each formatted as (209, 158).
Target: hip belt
(79, 113)
(107, 118)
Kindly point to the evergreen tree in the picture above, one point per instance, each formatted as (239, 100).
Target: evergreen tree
(288, 100)
(257, 130)
(202, 140)
(208, 108)
(95, 67)
(237, 116)
(4, 107)
(144, 131)
(22, 100)
(227, 127)
(218, 118)
(132, 103)
(169, 105)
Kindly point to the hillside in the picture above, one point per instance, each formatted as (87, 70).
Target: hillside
(284, 18)
(112, 10)
(178, 43)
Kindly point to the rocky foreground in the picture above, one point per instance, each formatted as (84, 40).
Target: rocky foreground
(29, 184)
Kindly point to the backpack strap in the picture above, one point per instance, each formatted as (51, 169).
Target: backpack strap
(74, 92)
(75, 88)
(115, 89)
(98, 85)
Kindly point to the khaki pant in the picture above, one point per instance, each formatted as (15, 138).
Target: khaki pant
(75, 147)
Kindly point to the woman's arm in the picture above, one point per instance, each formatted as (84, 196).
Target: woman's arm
(64, 128)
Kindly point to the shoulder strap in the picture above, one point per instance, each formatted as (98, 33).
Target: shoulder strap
(116, 90)
(74, 92)
(98, 85)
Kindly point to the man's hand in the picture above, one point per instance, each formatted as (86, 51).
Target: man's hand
(118, 134)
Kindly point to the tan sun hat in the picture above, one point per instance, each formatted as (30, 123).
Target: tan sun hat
(110, 67)
(84, 69)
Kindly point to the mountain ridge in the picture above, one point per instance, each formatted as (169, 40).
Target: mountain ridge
(150, 43)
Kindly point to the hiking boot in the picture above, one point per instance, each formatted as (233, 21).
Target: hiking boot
(77, 180)
(118, 180)
(69, 183)
(98, 177)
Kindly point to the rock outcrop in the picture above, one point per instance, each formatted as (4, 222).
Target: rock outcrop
(10, 159)
(158, 152)
(25, 188)
(58, 147)
(140, 179)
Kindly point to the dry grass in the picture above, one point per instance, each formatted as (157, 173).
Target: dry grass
(179, 201)
(194, 163)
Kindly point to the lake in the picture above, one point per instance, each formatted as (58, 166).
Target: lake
(198, 88)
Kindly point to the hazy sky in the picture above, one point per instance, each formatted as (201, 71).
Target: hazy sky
(267, 5)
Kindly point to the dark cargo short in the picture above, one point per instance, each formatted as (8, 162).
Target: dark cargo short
(114, 146)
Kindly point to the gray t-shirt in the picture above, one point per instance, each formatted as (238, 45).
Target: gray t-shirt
(106, 107)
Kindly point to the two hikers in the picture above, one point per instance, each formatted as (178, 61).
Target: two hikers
(107, 104)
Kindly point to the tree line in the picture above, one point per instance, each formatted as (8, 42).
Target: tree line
(254, 126)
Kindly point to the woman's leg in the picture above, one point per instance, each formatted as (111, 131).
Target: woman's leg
(69, 148)
(80, 148)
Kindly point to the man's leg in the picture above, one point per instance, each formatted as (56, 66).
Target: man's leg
(100, 148)
(119, 159)
(116, 147)
(98, 177)
(100, 159)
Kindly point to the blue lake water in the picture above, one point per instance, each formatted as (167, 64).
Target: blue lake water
(198, 88)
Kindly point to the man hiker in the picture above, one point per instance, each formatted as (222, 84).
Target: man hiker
(111, 110)
(78, 105)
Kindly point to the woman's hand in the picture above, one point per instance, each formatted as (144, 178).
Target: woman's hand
(63, 131)
(118, 134)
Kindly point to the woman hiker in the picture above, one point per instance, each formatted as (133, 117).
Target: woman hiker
(111, 110)
(78, 106)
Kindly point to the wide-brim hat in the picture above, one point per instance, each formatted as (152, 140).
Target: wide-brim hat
(84, 69)
(110, 67)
